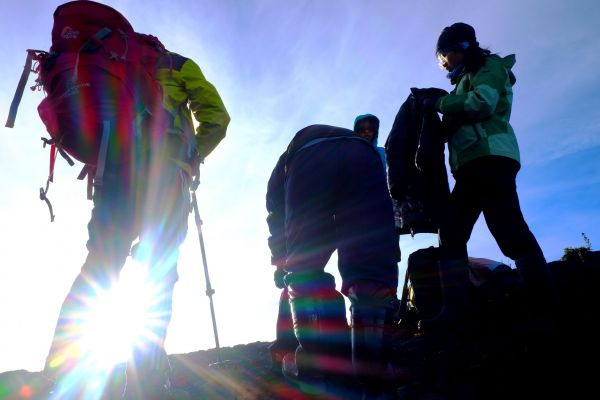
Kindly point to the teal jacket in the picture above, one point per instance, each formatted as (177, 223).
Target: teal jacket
(480, 104)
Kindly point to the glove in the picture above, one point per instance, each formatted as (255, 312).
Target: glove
(196, 161)
(278, 278)
(195, 166)
(428, 97)
(428, 103)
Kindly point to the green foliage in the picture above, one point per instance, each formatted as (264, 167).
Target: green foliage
(577, 254)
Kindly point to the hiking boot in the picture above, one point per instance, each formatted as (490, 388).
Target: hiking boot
(150, 387)
(43, 386)
(372, 313)
(453, 317)
(148, 378)
(299, 370)
(539, 297)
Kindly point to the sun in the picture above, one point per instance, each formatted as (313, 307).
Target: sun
(115, 322)
(120, 318)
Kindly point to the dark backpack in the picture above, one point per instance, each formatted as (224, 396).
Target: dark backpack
(493, 290)
(101, 89)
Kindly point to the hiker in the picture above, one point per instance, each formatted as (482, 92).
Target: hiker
(323, 185)
(144, 195)
(367, 127)
(484, 160)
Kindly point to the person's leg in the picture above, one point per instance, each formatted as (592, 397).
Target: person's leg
(285, 339)
(502, 212)
(111, 231)
(166, 208)
(320, 325)
(368, 253)
(318, 310)
(461, 215)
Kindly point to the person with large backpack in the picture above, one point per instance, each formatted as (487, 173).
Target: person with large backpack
(149, 154)
(318, 194)
(484, 159)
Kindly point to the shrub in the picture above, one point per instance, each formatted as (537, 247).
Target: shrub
(577, 254)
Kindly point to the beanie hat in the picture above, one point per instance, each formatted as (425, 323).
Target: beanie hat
(458, 36)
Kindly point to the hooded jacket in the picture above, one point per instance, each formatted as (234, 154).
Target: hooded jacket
(379, 149)
(480, 105)
(186, 91)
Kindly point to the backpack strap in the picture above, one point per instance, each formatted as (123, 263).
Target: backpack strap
(89, 171)
(55, 147)
(102, 153)
(95, 173)
(44, 192)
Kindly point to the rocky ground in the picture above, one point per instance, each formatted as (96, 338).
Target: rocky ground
(243, 373)
(506, 353)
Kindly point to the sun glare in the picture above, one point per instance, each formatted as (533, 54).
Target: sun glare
(119, 318)
(116, 322)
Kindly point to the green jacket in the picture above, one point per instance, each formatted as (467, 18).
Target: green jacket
(186, 91)
(480, 104)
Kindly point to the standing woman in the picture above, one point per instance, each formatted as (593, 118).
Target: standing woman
(484, 159)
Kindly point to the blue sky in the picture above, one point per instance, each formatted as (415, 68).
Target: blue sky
(279, 66)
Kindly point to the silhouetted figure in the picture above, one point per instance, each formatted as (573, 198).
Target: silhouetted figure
(327, 193)
(144, 195)
(484, 159)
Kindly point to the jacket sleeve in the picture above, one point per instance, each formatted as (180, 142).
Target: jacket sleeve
(480, 102)
(400, 147)
(207, 107)
(276, 213)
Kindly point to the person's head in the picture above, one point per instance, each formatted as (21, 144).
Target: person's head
(367, 127)
(457, 46)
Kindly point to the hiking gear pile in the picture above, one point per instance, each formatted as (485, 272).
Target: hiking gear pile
(513, 339)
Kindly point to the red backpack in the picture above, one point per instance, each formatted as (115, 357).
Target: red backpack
(101, 89)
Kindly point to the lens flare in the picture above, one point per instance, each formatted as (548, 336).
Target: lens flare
(116, 322)
(118, 318)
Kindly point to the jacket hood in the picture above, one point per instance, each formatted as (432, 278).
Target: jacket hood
(508, 62)
(367, 116)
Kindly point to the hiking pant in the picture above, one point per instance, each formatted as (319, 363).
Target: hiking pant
(147, 199)
(487, 185)
(337, 198)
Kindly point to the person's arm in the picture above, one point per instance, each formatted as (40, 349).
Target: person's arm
(276, 214)
(207, 107)
(479, 103)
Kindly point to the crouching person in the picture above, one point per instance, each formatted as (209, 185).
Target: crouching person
(327, 193)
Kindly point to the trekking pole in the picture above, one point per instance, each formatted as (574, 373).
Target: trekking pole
(209, 290)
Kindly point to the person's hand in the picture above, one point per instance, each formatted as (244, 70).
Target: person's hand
(428, 103)
(278, 278)
(429, 97)
(195, 165)
(196, 161)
